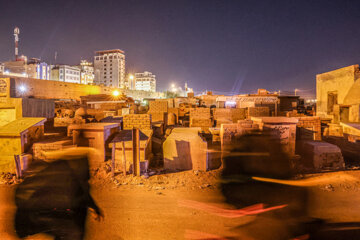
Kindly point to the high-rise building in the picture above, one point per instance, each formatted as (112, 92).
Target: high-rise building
(65, 73)
(109, 66)
(145, 81)
(86, 72)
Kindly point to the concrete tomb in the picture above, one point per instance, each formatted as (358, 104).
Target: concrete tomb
(95, 135)
(184, 149)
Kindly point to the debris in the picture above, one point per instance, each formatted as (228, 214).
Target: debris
(145, 176)
(107, 168)
(329, 188)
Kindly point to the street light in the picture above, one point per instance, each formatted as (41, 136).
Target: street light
(115, 93)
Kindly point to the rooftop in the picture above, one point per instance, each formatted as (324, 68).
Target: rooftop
(109, 51)
(15, 128)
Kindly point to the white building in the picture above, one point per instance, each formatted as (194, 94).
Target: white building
(86, 72)
(65, 73)
(109, 66)
(145, 81)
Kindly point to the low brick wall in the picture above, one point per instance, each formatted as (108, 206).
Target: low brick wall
(200, 113)
(158, 116)
(258, 112)
(66, 121)
(141, 121)
(158, 106)
(203, 123)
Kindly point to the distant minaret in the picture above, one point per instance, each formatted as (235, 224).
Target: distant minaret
(16, 34)
(55, 58)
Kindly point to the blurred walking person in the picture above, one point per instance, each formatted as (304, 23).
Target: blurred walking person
(54, 197)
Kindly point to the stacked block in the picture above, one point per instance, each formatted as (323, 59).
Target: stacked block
(310, 123)
(228, 115)
(322, 155)
(238, 114)
(199, 113)
(200, 117)
(202, 123)
(141, 121)
(158, 111)
(175, 112)
(158, 116)
(158, 106)
(169, 101)
(258, 112)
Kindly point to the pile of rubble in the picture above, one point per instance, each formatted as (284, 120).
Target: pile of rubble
(157, 179)
(7, 178)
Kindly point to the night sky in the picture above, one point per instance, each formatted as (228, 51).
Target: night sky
(229, 46)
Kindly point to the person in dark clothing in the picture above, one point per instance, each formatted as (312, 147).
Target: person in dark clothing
(54, 199)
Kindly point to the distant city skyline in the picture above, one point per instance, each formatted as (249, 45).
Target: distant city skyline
(225, 46)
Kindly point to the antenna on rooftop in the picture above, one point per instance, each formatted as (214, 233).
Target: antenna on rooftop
(55, 58)
(16, 35)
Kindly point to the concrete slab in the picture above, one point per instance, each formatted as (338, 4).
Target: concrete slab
(281, 128)
(322, 155)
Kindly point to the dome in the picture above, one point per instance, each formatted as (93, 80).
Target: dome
(80, 112)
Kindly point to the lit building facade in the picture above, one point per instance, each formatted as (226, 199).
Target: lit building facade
(109, 68)
(65, 73)
(145, 81)
(86, 72)
(32, 68)
(43, 71)
(2, 68)
(38, 69)
(16, 68)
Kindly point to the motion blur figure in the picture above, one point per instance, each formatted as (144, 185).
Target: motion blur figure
(54, 197)
(259, 154)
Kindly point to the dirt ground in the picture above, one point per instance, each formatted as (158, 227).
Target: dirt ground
(148, 208)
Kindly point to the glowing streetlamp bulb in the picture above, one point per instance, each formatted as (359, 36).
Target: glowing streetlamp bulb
(173, 86)
(115, 93)
(22, 88)
(131, 77)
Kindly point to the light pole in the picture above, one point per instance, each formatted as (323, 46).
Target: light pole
(131, 82)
